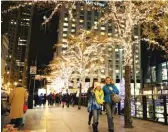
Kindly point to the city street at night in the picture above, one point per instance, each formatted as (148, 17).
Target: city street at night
(109, 59)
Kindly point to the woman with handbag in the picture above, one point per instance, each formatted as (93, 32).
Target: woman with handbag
(109, 89)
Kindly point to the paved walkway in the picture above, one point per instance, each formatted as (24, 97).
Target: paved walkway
(57, 119)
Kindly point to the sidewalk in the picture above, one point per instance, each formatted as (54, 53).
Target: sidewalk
(57, 119)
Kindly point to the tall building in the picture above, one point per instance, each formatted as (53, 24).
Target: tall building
(19, 33)
(86, 18)
(4, 53)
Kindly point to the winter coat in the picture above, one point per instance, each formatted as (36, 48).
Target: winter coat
(108, 89)
(17, 99)
(92, 102)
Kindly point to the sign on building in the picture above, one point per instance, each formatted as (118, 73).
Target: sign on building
(33, 69)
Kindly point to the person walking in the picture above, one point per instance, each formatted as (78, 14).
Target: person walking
(63, 100)
(44, 99)
(97, 105)
(110, 106)
(41, 99)
(89, 98)
(17, 99)
(68, 99)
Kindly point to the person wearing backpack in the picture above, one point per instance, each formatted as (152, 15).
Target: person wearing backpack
(110, 106)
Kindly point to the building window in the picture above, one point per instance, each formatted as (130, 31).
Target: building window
(81, 21)
(65, 29)
(64, 35)
(65, 24)
(102, 33)
(102, 28)
(72, 30)
(66, 19)
(73, 25)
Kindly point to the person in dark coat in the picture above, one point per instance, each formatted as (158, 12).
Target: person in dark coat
(44, 99)
(68, 99)
(41, 99)
(63, 100)
(36, 98)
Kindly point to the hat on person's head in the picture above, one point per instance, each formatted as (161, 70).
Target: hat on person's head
(96, 84)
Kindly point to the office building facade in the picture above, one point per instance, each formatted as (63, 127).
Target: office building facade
(4, 53)
(19, 33)
(114, 64)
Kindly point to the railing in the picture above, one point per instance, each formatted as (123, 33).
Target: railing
(147, 107)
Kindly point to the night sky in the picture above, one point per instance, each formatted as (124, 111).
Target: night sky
(43, 38)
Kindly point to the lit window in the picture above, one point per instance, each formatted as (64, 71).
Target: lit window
(136, 37)
(64, 46)
(117, 71)
(109, 34)
(64, 35)
(64, 40)
(102, 70)
(95, 22)
(65, 29)
(73, 25)
(73, 20)
(95, 27)
(116, 50)
(72, 30)
(65, 24)
(66, 19)
(110, 49)
(102, 28)
(81, 20)
(102, 33)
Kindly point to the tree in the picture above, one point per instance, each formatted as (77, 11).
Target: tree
(81, 48)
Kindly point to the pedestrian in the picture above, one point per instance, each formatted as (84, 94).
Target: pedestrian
(96, 101)
(50, 99)
(110, 106)
(41, 99)
(44, 99)
(63, 100)
(53, 98)
(73, 99)
(36, 99)
(17, 99)
(68, 99)
(89, 98)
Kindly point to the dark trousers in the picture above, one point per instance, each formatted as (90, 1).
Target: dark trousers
(17, 122)
(90, 116)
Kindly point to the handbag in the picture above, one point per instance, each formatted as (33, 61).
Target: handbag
(25, 108)
(115, 98)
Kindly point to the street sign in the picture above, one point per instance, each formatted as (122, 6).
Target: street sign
(33, 69)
